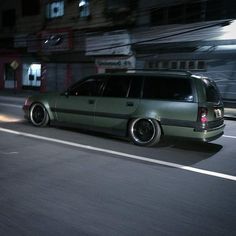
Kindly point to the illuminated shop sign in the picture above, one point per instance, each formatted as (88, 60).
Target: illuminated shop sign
(121, 63)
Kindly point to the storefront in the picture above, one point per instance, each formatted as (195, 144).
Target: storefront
(31, 76)
(10, 70)
(114, 64)
(62, 57)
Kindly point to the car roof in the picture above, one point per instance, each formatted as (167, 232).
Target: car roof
(184, 74)
(173, 74)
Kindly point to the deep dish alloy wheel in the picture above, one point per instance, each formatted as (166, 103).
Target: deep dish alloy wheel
(145, 132)
(39, 115)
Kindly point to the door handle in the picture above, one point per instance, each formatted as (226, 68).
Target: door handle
(91, 101)
(129, 104)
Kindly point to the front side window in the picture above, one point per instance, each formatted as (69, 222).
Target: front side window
(117, 86)
(135, 87)
(55, 9)
(168, 89)
(90, 87)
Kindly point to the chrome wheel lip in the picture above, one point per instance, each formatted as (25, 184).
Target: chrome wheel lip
(133, 130)
(44, 115)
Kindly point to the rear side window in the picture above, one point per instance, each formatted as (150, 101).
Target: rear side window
(117, 86)
(167, 88)
(135, 87)
(212, 92)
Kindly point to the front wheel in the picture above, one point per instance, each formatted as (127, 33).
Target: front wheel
(39, 115)
(145, 131)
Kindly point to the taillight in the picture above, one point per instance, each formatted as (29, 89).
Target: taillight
(202, 116)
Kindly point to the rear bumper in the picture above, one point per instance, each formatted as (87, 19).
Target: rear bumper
(212, 138)
(202, 135)
(210, 126)
(210, 134)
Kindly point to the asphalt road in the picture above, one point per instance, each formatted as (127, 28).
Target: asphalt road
(57, 181)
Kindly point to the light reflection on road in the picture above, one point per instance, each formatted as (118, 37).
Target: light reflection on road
(7, 118)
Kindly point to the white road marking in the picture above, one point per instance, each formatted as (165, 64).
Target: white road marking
(164, 163)
(229, 136)
(9, 153)
(10, 105)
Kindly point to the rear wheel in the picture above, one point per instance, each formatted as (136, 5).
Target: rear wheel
(39, 115)
(145, 131)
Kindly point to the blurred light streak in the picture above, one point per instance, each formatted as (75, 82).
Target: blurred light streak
(6, 118)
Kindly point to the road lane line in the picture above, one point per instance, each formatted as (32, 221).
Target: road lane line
(9, 153)
(10, 105)
(135, 157)
(229, 136)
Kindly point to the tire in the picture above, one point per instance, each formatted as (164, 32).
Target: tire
(145, 131)
(38, 115)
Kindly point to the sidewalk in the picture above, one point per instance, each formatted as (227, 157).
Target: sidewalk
(230, 111)
(19, 94)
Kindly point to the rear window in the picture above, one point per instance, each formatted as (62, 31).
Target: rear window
(135, 87)
(212, 92)
(168, 88)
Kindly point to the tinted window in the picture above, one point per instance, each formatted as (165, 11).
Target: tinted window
(135, 87)
(168, 89)
(90, 87)
(212, 92)
(117, 86)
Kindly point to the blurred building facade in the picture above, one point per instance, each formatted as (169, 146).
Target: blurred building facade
(49, 44)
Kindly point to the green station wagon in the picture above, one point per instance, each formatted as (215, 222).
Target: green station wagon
(142, 106)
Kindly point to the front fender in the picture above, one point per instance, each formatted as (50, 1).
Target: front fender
(47, 100)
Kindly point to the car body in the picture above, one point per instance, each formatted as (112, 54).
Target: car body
(142, 106)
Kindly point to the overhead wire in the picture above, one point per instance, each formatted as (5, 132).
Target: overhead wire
(146, 11)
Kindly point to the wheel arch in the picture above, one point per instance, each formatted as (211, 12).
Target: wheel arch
(145, 131)
(46, 106)
(157, 118)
